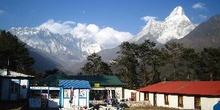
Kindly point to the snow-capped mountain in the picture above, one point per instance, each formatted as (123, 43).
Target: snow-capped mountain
(64, 50)
(54, 43)
(68, 49)
(175, 26)
(65, 44)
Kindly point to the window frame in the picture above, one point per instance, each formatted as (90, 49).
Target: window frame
(54, 94)
(180, 100)
(197, 102)
(146, 96)
(66, 93)
(14, 86)
(166, 99)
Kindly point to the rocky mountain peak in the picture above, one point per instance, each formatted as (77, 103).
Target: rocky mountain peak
(175, 26)
(177, 14)
(177, 11)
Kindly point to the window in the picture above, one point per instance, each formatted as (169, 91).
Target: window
(166, 100)
(180, 101)
(133, 96)
(14, 86)
(98, 94)
(54, 94)
(146, 96)
(82, 93)
(197, 102)
(66, 93)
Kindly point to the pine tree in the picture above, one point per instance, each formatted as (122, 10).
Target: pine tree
(95, 66)
(173, 51)
(189, 59)
(156, 60)
(209, 64)
(128, 63)
(145, 50)
(14, 55)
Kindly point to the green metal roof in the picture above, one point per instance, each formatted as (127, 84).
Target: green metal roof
(103, 80)
(53, 80)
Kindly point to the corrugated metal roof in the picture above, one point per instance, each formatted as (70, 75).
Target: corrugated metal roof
(78, 84)
(103, 80)
(53, 80)
(208, 88)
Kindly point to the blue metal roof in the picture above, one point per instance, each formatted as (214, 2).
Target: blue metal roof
(78, 84)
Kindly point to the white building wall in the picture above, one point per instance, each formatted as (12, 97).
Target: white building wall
(127, 93)
(160, 100)
(173, 101)
(139, 95)
(151, 98)
(208, 103)
(188, 102)
(66, 103)
(118, 93)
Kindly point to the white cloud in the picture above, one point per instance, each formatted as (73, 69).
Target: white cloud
(107, 37)
(147, 18)
(56, 27)
(69, 22)
(111, 38)
(199, 6)
(92, 28)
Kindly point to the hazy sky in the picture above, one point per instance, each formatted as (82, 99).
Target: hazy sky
(121, 15)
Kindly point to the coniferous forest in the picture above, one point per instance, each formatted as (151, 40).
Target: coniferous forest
(143, 64)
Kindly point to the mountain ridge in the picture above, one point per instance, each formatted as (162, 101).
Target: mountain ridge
(175, 26)
(205, 35)
(69, 52)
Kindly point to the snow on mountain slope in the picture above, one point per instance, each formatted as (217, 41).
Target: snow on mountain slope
(175, 26)
(54, 43)
(71, 45)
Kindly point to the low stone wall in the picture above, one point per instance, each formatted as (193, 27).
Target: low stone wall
(96, 102)
(137, 103)
(127, 103)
